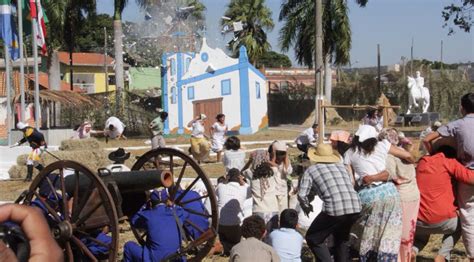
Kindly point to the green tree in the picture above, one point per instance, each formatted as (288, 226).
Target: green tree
(256, 17)
(274, 59)
(461, 15)
(299, 30)
(90, 37)
(64, 17)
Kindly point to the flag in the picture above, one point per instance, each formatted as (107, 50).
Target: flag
(36, 12)
(7, 29)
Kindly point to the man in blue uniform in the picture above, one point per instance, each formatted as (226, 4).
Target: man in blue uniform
(36, 140)
(164, 235)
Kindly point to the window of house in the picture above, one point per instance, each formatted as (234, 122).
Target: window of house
(257, 89)
(173, 66)
(225, 87)
(111, 79)
(173, 95)
(190, 92)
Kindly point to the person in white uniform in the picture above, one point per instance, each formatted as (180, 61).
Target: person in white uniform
(218, 131)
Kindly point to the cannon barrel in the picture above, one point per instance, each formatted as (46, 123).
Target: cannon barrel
(127, 181)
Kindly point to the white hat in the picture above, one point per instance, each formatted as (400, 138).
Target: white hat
(202, 116)
(279, 146)
(437, 124)
(365, 132)
(21, 125)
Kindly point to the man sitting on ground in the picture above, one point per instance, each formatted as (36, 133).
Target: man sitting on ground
(286, 241)
(252, 248)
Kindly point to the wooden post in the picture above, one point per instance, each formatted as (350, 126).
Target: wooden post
(385, 112)
(320, 118)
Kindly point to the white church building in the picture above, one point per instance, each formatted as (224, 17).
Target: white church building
(210, 82)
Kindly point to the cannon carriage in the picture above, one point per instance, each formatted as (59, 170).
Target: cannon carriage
(81, 205)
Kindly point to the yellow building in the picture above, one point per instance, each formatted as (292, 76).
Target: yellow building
(89, 71)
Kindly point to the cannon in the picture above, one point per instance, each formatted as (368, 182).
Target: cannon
(80, 204)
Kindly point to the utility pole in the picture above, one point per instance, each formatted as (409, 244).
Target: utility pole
(411, 56)
(318, 62)
(9, 93)
(379, 80)
(441, 58)
(106, 69)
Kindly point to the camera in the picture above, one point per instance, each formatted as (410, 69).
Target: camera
(14, 238)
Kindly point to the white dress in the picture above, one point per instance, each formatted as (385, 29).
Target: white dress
(217, 138)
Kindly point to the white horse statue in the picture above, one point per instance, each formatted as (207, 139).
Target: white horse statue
(419, 94)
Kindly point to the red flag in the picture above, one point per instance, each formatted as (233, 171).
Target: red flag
(36, 12)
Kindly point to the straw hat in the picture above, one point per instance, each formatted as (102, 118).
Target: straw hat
(279, 146)
(323, 154)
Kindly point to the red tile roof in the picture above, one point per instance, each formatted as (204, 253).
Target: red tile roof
(84, 59)
(29, 83)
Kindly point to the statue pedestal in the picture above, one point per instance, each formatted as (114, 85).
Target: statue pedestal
(414, 119)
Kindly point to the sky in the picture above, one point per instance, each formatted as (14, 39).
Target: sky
(391, 23)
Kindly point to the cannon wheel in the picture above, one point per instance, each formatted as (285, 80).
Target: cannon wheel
(76, 218)
(181, 165)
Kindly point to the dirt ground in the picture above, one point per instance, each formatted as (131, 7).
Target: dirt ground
(11, 189)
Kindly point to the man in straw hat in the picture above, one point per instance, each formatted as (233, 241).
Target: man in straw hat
(341, 205)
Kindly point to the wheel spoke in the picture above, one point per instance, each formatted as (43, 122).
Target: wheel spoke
(48, 207)
(75, 197)
(88, 214)
(69, 251)
(192, 200)
(187, 190)
(178, 182)
(87, 195)
(187, 221)
(196, 213)
(53, 189)
(93, 239)
(64, 196)
(79, 243)
(171, 164)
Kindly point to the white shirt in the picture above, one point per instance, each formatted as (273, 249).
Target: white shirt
(288, 243)
(230, 202)
(306, 137)
(198, 130)
(218, 131)
(372, 164)
(280, 174)
(233, 159)
(118, 130)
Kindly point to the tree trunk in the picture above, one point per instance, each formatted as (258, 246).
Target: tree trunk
(54, 76)
(119, 82)
(328, 79)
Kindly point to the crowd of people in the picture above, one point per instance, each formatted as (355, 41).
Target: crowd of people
(378, 203)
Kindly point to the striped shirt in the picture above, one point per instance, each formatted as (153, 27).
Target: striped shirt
(331, 182)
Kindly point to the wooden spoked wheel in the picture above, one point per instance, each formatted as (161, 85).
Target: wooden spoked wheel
(78, 208)
(187, 176)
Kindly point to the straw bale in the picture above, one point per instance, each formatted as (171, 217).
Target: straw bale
(79, 144)
(16, 171)
(21, 160)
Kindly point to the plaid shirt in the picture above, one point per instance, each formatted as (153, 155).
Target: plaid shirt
(331, 182)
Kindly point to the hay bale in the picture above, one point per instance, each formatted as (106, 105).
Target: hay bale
(20, 171)
(21, 160)
(79, 144)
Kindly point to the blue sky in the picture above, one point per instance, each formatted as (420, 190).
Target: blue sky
(390, 23)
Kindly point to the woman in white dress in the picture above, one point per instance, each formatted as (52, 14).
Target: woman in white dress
(218, 131)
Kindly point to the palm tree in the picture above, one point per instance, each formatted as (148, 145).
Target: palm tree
(299, 31)
(256, 18)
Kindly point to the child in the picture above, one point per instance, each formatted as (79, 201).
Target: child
(286, 241)
(461, 130)
(252, 247)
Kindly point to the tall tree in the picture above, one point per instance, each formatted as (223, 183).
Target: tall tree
(255, 17)
(61, 15)
(460, 14)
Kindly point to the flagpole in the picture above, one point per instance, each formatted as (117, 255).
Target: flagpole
(22, 67)
(35, 56)
(8, 87)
